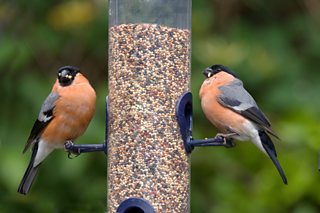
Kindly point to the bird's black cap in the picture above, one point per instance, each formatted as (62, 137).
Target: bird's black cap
(214, 69)
(67, 74)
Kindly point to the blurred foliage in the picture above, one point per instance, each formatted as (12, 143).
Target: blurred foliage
(273, 46)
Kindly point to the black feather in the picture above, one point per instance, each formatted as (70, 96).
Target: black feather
(255, 114)
(271, 151)
(30, 173)
(37, 129)
(216, 68)
(48, 113)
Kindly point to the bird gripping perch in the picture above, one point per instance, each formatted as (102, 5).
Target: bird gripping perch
(77, 149)
(184, 117)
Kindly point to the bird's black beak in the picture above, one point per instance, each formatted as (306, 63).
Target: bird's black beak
(208, 72)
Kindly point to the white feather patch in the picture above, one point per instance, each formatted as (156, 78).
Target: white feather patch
(252, 131)
(46, 118)
(44, 149)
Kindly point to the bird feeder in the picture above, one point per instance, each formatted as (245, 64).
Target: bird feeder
(148, 135)
(149, 70)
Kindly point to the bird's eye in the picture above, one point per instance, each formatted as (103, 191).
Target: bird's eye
(69, 76)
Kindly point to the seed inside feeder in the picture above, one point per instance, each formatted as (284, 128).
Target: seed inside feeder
(149, 68)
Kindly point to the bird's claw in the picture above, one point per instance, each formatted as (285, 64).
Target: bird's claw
(227, 139)
(70, 151)
(229, 143)
(72, 155)
(228, 135)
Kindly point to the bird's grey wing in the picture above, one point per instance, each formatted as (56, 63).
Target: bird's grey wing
(236, 98)
(44, 118)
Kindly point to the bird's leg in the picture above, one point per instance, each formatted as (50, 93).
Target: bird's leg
(69, 143)
(227, 138)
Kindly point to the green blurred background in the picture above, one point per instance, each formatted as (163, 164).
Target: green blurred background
(274, 46)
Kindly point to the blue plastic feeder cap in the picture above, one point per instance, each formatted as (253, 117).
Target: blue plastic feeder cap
(135, 205)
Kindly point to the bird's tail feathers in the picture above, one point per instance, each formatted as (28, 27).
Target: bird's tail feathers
(271, 151)
(30, 173)
(271, 132)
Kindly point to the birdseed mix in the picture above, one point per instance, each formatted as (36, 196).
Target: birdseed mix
(149, 69)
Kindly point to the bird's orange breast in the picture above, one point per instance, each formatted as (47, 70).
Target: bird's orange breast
(72, 113)
(222, 117)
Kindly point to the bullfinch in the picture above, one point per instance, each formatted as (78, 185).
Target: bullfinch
(64, 116)
(228, 106)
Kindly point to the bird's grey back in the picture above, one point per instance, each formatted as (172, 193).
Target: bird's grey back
(234, 94)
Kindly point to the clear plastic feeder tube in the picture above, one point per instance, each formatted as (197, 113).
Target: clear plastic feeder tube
(149, 69)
